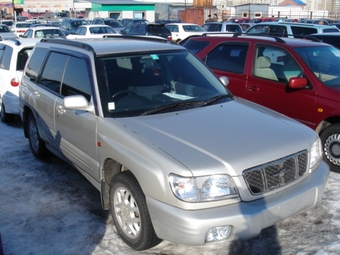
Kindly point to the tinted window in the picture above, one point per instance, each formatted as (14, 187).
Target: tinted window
(230, 58)
(76, 84)
(53, 71)
(195, 46)
(35, 63)
(6, 58)
(22, 58)
(300, 32)
(212, 27)
(330, 30)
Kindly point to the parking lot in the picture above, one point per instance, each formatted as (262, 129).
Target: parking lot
(49, 208)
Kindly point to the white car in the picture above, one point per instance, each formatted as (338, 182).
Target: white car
(5, 32)
(91, 31)
(180, 31)
(11, 67)
(43, 32)
(19, 28)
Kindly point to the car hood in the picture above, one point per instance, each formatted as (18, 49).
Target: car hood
(235, 136)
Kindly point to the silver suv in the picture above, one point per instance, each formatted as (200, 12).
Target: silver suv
(174, 155)
(289, 29)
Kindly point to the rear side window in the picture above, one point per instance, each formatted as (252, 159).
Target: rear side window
(228, 57)
(22, 58)
(300, 32)
(53, 71)
(35, 63)
(212, 27)
(195, 46)
(330, 30)
(6, 56)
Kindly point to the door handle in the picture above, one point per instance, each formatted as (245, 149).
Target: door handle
(60, 109)
(253, 88)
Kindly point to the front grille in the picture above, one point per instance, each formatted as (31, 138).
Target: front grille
(276, 174)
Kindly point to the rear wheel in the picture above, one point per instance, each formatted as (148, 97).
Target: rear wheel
(37, 145)
(330, 138)
(130, 213)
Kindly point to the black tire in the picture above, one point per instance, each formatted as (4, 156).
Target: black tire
(37, 145)
(330, 138)
(130, 213)
(5, 117)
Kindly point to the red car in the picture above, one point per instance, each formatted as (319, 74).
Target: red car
(299, 78)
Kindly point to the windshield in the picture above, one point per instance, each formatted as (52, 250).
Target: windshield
(141, 84)
(324, 62)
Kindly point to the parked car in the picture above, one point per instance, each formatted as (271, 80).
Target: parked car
(5, 32)
(115, 24)
(166, 21)
(91, 31)
(260, 20)
(240, 20)
(296, 77)
(223, 27)
(9, 23)
(149, 29)
(68, 25)
(174, 155)
(330, 38)
(180, 31)
(56, 16)
(43, 32)
(291, 30)
(21, 18)
(129, 21)
(13, 56)
(314, 21)
(19, 28)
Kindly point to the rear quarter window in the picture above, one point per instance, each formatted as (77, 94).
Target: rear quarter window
(330, 30)
(6, 56)
(195, 46)
(300, 32)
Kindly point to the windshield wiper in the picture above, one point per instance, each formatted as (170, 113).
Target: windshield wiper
(216, 98)
(177, 106)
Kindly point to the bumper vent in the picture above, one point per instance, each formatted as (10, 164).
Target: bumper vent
(276, 174)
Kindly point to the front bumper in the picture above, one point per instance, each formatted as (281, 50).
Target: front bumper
(246, 218)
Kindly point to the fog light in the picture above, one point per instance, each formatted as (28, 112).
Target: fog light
(217, 234)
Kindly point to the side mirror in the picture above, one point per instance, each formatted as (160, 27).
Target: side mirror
(224, 80)
(297, 83)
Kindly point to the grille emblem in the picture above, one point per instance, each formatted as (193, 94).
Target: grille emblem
(281, 174)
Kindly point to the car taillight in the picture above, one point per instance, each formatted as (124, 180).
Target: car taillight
(15, 82)
(21, 31)
(169, 38)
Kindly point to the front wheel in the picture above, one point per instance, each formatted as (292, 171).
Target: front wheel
(330, 138)
(37, 145)
(130, 213)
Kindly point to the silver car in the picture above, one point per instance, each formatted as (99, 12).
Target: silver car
(173, 153)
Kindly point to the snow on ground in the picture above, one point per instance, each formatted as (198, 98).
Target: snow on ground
(46, 207)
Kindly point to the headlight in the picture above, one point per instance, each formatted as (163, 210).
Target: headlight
(202, 189)
(315, 154)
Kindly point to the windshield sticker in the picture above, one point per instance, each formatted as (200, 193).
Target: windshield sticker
(177, 96)
(154, 56)
(112, 106)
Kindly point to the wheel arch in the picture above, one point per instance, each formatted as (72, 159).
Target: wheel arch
(326, 123)
(26, 112)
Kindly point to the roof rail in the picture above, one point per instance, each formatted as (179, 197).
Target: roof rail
(138, 37)
(74, 43)
(311, 38)
(235, 34)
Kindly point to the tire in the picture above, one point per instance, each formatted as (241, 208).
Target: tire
(130, 213)
(5, 117)
(330, 138)
(37, 145)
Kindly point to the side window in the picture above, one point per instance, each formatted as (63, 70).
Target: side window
(300, 32)
(53, 71)
(22, 58)
(228, 57)
(6, 58)
(76, 84)
(275, 64)
(35, 62)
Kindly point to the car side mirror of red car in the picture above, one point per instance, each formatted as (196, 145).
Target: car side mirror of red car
(297, 83)
(224, 80)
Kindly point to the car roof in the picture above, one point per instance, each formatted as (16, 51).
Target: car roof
(116, 44)
(94, 25)
(182, 24)
(292, 42)
(27, 42)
